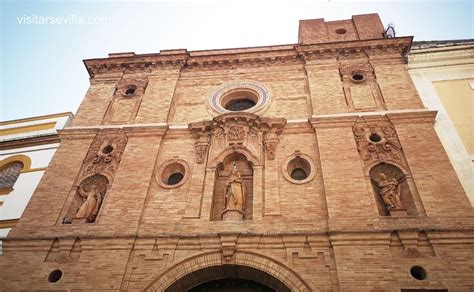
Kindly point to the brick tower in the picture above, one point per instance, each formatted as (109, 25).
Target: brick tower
(304, 167)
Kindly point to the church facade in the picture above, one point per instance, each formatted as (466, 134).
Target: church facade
(306, 167)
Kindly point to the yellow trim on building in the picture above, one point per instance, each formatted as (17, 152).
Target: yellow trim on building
(33, 169)
(10, 223)
(28, 129)
(22, 158)
(68, 114)
(5, 191)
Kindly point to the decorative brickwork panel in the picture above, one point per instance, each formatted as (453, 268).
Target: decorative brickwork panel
(95, 177)
(127, 99)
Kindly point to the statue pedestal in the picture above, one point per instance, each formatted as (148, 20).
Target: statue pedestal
(232, 215)
(79, 220)
(398, 212)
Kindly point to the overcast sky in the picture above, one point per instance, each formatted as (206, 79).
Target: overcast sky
(41, 63)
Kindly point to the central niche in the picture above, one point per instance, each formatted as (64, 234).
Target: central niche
(233, 189)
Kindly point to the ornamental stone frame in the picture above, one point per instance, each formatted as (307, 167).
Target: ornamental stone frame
(310, 174)
(167, 168)
(255, 88)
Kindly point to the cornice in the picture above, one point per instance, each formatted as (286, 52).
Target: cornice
(28, 142)
(136, 130)
(396, 117)
(284, 54)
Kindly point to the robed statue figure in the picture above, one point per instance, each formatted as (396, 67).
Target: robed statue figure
(390, 192)
(91, 203)
(234, 194)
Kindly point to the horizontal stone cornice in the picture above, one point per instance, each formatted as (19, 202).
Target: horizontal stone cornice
(158, 129)
(246, 56)
(397, 116)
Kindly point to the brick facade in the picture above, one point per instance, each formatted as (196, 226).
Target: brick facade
(148, 116)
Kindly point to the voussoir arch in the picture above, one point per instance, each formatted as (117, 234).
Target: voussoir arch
(212, 259)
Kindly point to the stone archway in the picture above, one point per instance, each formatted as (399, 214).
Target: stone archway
(247, 266)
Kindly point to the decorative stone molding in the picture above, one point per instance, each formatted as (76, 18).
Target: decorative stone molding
(377, 142)
(305, 162)
(214, 259)
(272, 128)
(96, 174)
(237, 128)
(170, 167)
(138, 84)
(223, 94)
(361, 77)
(127, 99)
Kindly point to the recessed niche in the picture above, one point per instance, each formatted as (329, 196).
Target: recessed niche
(418, 273)
(341, 31)
(299, 168)
(107, 149)
(374, 137)
(55, 276)
(173, 173)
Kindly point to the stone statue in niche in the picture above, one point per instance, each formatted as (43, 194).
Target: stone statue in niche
(234, 196)
(91, 201)
(390, 192)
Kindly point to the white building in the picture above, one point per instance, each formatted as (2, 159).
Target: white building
(26, 148)
(443, 73)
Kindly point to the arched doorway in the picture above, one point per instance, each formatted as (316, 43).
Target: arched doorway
(206, 268)
(228, 278)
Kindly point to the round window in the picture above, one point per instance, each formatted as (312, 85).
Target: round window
(299, 168)
(107, 149)
(130, 90)
(375, 138)
(357, 77)
(418, 273)
(172, 173)
(55, 276)
(175, 178)
(240, 104)
(246, 96)
(299, 174)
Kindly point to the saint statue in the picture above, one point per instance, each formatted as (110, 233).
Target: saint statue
(390, 192)
(91, 203)
(234, 194)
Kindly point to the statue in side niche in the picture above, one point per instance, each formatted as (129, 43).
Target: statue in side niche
(92, 200)
(390, 192)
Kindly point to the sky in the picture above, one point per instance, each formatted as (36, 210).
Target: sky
(41, 68)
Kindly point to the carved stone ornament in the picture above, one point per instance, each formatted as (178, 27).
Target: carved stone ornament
(96, 174)
(364, 69)
(377, 142)
(238, 128)
(104, 154)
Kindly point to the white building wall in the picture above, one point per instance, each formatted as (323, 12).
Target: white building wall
(427, 66)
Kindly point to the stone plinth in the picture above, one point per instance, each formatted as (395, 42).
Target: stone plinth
(232, 215)
(398, 212)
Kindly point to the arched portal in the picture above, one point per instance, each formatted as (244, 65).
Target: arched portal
(228, 278)
(245, 269)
